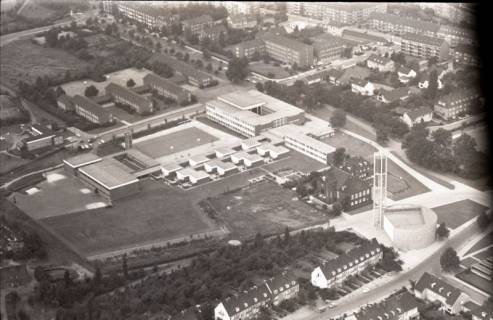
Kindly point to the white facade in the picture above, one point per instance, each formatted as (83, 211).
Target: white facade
(367, 90)
(411, 122)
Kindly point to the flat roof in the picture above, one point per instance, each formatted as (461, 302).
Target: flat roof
(247, 156)
(241, 100)
(199, 159)
(172, 167)
(82, 159)
(110, 173)
(216, 163)
(270, 147)
(251, 143)
(190, 172)
(294, 132)
(142, 158)
(225, 150)
(409, 216)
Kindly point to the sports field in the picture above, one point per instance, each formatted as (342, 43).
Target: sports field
(457, 213)
(158, 213)
(266, 208)
(174, 142)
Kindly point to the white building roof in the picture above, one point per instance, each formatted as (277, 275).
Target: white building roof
(272, 148)
(247, 156)
(294, 132)
(225, 151)
(216, 163)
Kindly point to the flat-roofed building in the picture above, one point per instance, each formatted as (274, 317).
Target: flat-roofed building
(334, 272)
(421, 46)
(122, 95)
(72, 164)
(223, 152)
(328, 47)
(288, 50)
(242, 21)
(272, 151)
(296, 139)
(192, 175)
(466, 54)
(222, 168)
(171, 168)
(248, 159)
(167, 88)
(250, 144)
(249, 113)
(91, 111)
(457, 35)
(361, 37)
(198, 159)
(249, 48)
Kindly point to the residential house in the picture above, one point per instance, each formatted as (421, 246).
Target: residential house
(249, 48)
(350, 190)
(242, 21)
(362, 87)
(358, 167)
(380, 63)
(388, 96)
(247, 304)
(403, 306)
(432, 288)
(456, 103)
(418, 115)
(334, 272)
(424, 81)
(334, 76)
(405, 74)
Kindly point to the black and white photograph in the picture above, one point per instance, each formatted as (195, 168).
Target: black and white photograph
(245, 160)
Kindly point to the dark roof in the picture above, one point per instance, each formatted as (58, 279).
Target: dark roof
(355, 163)
(89, 105)
(456, 31)
(393, 95)
(182, 67)
(468, 49)
(389, 309)
(105, 98)
(116, 89)
(326, 40)
(404, 21)
(66, 100)
(187, 314)
(354, 256)
(255, 43)
(281, 282)
(484, 312)
(458, 95)
(287, 42)
(238, 18)
(403, 69)
(362, 35)
(216, 29)
(423, 39)
(418, 112)
(164, 83)
(438, 286)
(379, 59)
(254, 295)
(335, 73)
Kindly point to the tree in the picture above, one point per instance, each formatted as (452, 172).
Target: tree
(338, 120)
(206, 54)
(484, 220)
(91, 91)
(449, 259)
(209, 67)
(301, 190)
(186, 57)
(442, 231)
(337, 208)
(339, 156)
(130, 83)
(382, 135)
(259, 86)
(431, 91)
(237, 69)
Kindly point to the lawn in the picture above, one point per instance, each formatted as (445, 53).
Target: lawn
(158, 213)
(24, 61)
(476, 281)
(174, 142)
(265, 69)
(353, 146)
(457, 213)
(401, 184)
(264, 208)
(484, 242)
(295, 161)
(355, 72)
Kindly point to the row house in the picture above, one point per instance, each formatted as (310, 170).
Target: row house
(91, 111)
(456, 103)
(432, 288)
(362, 87)
(421, 46)
(386, 22)
(167, 88)
(334, 272)
(380, 63)
(399, 307)
(122, 95)
(247, 304)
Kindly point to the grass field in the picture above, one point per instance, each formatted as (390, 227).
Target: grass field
(457, 213)
(264, 208)
(174, 142)
(158, 213)
(24, 61)
(402, 184)
(353, 146)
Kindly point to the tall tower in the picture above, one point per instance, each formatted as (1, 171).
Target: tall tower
(379, 187)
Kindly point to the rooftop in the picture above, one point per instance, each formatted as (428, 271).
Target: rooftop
(379, 59)
(82, 159)
(438, 286)
(362, 35)
(196, 174)
(110, 173)
(409, 216)
(286, 42)
(391, 308)
(216, 163)
(241, 100)
(418, 112)
(423, 39)
(294, 132)
(164, 83)
(89, 105)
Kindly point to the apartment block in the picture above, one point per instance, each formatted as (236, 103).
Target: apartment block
(288, 50)
(386, 22)
(424, 47)
(456, 103)
(249, 48)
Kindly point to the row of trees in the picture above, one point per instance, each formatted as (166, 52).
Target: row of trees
(438, 151)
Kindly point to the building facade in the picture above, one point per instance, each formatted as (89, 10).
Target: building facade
(125, 96)
(456, 104)
(424, 47)
(287, 50)
(382, 64)
(167, 88)
(91, 111)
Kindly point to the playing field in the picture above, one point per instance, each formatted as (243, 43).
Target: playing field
(158, 213)
(264, 208)
(174, 142)
(353, 146)
(457, 213)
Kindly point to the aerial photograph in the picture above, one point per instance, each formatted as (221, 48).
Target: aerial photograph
(239, 160)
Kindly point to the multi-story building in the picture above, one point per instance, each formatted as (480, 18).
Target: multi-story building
(242, 21)
(456, 103)
(150, 16)
(327, 48)
(386, 22)
(91, 111)
(250, 113)
(380, 63)
(213, 33)
(294, 8)
(122, 95)
(399, 307)
(432, 288)
(249, 48)
(247, 304)
(362, 37)
(456, 35)
(351, 13)
(241, 7)
(193, 76)
(167, 88)
(288, 50)
(64, 102)
(197, 25)
(40, 137)
(418, 115)
(334, 272)
(424, 47)
(465, 54)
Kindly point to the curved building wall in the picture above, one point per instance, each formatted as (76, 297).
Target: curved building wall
(412, 237)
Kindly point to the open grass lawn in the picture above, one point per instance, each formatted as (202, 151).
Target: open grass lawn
(24, 61)
(158, 213)
(476, 281)
(402, 184)
(457, 213)
(486, 241)
(265, 69)
(353, 146)
(266, 208)
(174, 142)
